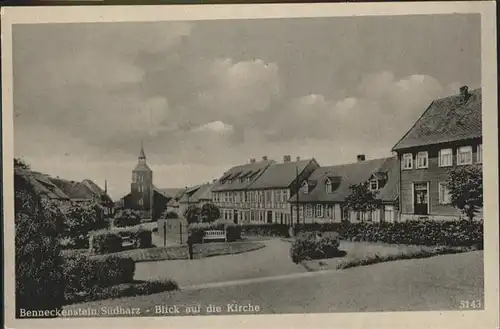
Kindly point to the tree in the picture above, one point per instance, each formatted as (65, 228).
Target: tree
(21, 164)
(192, 214)
(81, 218)
(361, 199)
(127, 217)
(466, 189)
(38, 260)
(209, 213)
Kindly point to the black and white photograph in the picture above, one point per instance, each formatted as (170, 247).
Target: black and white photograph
(211, 163)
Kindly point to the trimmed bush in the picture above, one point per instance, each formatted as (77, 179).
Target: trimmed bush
(80, 220)
(105, 242)
(430, 233)
(274, 230)
(127, 217)
(197, 230)
(83, 273)
(319, 227)
(313, 245)
(38, 261)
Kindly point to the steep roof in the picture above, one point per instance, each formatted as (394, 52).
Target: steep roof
(200, 192)
(446, 120)
(142, 167)
(42, 185)
(97, 190)
(231, 180)
(170, 192)
(280, 175)
(352, 173)
(74, 190)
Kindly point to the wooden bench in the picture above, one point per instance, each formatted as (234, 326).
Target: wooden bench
(214, 235)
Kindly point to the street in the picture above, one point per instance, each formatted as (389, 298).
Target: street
(437, 283)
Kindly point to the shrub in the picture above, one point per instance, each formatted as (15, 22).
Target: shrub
(127, 217)
(430, 233)
(170, 215)
(197, 230)
(209, 213)
(38, 261)
(141, 237)
(274, 229)
(80, 220)
(319, 227)
(311, 245)
(83, 273)
(105, 242)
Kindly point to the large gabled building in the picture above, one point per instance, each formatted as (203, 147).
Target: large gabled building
(269, 193)
(448, 134)
(322, 195)
(229, 192)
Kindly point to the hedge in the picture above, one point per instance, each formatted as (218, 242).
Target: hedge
(311, 245)
(267, 229)
(197, 230)
(83, 273)
(38, 260)
(110, 241)
(127, 217)
(430, 233)
(319, 227)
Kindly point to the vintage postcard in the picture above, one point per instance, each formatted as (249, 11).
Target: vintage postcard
(258, 166)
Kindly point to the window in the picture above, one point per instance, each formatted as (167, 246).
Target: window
(309, 210)
(305, 188)
(464, 155)
(374, 184)
(480, 153)
(329, 211)
(328, 186)
(141, 202)
(407, 161)
(319, 210)
(445, 157)
(444, 194)
(422, 160)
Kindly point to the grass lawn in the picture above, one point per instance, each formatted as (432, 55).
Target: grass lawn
(181, 252)
(129, 289)
(365, 253)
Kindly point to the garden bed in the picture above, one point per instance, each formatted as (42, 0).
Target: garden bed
(364, 253)
(179, 252)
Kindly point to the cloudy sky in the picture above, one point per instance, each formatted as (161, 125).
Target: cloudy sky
(206, 95)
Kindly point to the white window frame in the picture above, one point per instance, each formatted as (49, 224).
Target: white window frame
(479, 154)
(449, 152)
(305, 187)
(319, 211)
(442, 199)
(329, 211)
(376, 181)
(328, 186)
(405, 157)
(309, 210)
(460, 151)
(422, 155)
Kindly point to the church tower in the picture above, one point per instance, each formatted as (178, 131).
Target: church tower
(142, 185)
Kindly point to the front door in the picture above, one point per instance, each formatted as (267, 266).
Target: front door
(421, 199)
(269, 216)
(235, 216)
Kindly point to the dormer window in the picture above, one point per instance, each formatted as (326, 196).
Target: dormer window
(305, 187)
(407, 161)
(374, 186)
(328, 186)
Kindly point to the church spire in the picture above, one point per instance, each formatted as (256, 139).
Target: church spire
(142, 155)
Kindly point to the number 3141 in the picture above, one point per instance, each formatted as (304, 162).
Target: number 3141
(472, 304)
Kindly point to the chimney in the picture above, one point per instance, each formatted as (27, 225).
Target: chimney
(287, 158)
(464, 94)
(264, 158)
(361, 157)
(298, 158)
(105, 186)
(252, 160)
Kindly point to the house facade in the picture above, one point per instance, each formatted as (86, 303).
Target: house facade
(321, 198)
(230, 192)
(447, 135)
(198, 196)
(269, 194)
